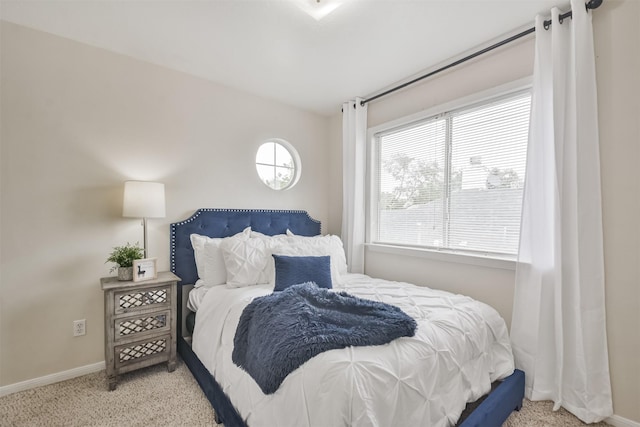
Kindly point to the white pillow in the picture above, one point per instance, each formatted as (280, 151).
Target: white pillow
(316, 246)
(248, 261)
(209, 258)
(258, 235)
(205, 248)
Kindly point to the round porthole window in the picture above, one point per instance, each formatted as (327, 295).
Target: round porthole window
(278, 164)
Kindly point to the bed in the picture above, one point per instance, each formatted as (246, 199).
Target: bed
(357, 386)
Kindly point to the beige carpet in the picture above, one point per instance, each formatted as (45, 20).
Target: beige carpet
(154, 397)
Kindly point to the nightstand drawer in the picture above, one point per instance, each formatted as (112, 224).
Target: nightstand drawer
(139, 351)
(157, 297)
(142, 324)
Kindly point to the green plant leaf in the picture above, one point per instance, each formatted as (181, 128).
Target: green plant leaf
(123, 256)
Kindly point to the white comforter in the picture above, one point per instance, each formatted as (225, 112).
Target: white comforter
(460, 347)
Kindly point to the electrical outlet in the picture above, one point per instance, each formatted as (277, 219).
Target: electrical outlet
(79, 327)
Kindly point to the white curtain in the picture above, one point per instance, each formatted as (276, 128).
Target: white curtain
(558, 328)
(354, 152)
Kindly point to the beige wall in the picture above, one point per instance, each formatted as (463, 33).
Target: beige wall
(617, 46)
(77, 122)
(617, 37)
(335, 175)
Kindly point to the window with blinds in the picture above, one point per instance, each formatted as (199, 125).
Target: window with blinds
(454, 181)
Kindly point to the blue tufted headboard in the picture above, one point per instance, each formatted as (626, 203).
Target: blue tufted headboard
(227, 222)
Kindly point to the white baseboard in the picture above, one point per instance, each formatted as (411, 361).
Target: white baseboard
(51, 379)
(618, 421)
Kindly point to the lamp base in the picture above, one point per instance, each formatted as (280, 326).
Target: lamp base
(144, 227)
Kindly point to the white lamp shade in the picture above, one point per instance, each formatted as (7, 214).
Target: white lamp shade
(143, 199)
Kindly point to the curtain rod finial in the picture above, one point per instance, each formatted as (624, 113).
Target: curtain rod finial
(593, 4)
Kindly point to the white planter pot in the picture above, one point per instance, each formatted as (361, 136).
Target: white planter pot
(125, 273)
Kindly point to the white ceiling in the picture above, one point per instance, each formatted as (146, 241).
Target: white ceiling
(273, 49)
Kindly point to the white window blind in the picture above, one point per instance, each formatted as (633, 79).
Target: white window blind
(454, 181)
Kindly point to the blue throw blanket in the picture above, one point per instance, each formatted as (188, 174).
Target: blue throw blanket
(279, 332)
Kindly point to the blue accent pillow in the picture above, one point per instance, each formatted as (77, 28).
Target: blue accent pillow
(294, 270)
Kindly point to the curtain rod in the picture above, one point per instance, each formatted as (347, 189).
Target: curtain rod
(591, 4)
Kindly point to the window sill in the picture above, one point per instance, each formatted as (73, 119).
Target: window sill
(456, 257)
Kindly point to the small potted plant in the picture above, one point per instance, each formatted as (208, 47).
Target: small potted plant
(123, 257)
